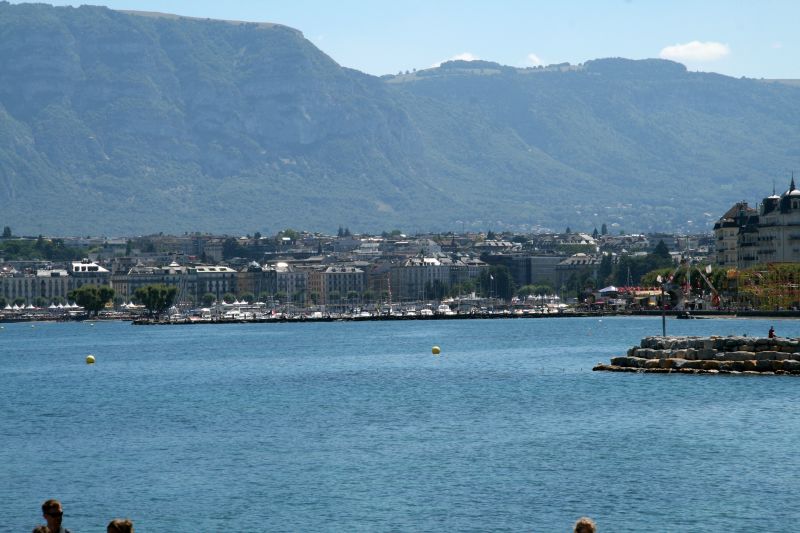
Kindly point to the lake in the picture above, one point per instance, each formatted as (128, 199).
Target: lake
(356, 426)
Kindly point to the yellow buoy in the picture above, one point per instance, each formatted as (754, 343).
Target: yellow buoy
(90, 359)
(436, 350)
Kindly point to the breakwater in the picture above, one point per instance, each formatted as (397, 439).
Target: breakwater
(710, 355)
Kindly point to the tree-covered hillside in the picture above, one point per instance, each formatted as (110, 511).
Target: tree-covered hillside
(115, 122)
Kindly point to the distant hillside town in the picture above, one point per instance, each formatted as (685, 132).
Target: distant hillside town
(313, 269)
(750, 261)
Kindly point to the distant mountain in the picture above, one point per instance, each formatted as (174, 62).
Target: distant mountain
(118, 122)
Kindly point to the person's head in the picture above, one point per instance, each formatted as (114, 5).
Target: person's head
(52, 512)
(120, 526)
(585, 525)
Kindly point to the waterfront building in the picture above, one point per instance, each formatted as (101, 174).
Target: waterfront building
(139, 276)
(335, 285)
(256, 280)
(528, 269)
(192, 282)
(291, 281)
(48, 284)
(726, 234)
(86, 272)
(416, 278)
(577, 264)
(770, 234)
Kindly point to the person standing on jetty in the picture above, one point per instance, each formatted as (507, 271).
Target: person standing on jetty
(771, 332)
(585, 525)
(53, 513)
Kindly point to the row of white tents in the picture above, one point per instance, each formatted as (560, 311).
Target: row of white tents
(30, 307)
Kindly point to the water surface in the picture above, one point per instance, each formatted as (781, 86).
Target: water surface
(357, 427)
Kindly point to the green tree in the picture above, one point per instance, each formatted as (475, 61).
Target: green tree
(40, 301)
(289, 233)
(605, 269)
(6, 232)
(228, 298)
(314, 297)
(231, 248)
(525, 291)
(299, 296)
(436, 290)
(535, 290)
(661, 250)
(208, 299)
(3, 302)
(496, 281)
(248, 297)
(604, 229)
(91, 297)
(156, 298)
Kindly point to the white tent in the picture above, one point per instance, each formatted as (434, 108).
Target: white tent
(610, 288)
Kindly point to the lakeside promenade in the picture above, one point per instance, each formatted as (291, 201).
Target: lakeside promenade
(785, 314)
(344, 317)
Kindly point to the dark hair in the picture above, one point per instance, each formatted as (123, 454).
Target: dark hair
(49, 504)
(120, 526)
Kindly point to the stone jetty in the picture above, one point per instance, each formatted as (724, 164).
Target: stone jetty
(710, 355)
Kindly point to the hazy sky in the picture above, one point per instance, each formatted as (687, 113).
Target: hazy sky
(738, 38)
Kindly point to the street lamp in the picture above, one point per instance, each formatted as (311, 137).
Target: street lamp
(663, 311)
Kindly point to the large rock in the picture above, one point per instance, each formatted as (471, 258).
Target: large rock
(739, 356)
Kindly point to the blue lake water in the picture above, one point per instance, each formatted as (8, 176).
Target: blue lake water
(357, 427)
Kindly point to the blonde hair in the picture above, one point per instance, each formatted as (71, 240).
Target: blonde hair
(585, 525)
(120, 526)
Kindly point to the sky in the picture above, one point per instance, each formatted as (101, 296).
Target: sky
(756, 39)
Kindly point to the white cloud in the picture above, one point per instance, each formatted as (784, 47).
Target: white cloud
(464, 56)
(695, 52)
(535, 60)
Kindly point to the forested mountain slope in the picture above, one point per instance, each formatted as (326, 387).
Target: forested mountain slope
(115, 122)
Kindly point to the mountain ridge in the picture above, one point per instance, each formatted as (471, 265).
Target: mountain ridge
(147, 123)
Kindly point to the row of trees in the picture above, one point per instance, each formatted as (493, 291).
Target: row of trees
(93, 298)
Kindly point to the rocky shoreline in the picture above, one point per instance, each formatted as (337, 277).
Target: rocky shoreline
(710, 355)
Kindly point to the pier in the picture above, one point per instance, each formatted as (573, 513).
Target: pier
(710, 355)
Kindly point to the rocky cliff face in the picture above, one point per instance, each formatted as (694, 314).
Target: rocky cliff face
(144, 122)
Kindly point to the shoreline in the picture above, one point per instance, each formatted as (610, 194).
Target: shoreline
(694, 315)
